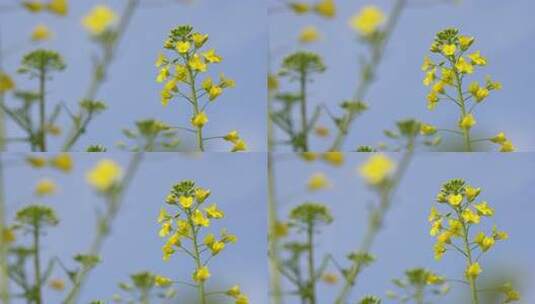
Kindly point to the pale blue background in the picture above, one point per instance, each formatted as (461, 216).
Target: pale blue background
(504, 32)
(134, 244)
(237, 30)
(506, 182)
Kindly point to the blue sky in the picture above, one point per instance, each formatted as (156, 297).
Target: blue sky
(237, 31)
(134, 244)
(506, 182)
(503, 31)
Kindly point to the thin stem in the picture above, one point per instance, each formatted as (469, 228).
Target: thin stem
(103, 229)
(37, 265)
(462, 103)
(198, 262)
(99, 71)
(4, 276)
(419, 295)
(42, 110)
(304, 128)
(274, 257)
(468, 250)
(375, 222)
(311, 271)
(365, 82)
(195, 102)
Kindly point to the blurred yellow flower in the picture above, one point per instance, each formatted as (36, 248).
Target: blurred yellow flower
(104, 175)
(376, 169)
(41, 32)
(57, 284)
(202, 274)
(45, 187)
(239, 145)
(333, 158)
(162, 281)
(99, 19)
(318, 181)
(309, 34)
(60, 7)
(326, 8)
(199, 120)
(63, 162)
(473, 270)
(368, 20)
(6, 83)
(33, 6)
(36, 161)
(467, 122)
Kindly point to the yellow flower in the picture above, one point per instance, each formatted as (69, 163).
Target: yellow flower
(41, 33)
(499, 235)
(211, 56)
(376, 169)
(309, 34)
(234, 291)
(167, 250)
(333, 158)
(165, 229)
(207, 83)
(429, 77)
(438, 87)
(471, 193)
(467, 122)
(444, 237)
(447, 75)
(470, 216)
(45, 187)
(214, 92)
(185, 201)
(439, 249)
(309, 156)
(433, 215)
(161, 60)
(8, 235)
(33, 6)
(99, 19)
(201, 194)
(163, 216)
(473, 270)
(181, 72)
(165, 97)
(465, 42)
(239, 145)
(367, 21)
(199, 219)
(330, 278)
(60, 7)
(500, 138)
(507, 146)
(449, 49)
(455, 227)
(183, 227)
(182, 47)
(197, 64)
(217, 247)
(477, 59)
(432, 100)
(199, 120)
(455, 199)
(104, 175)
(213, 212)
(62, 162)
(6, 83)
(162, 281)
(464, 67)
(484, 209)
(202, 274)
(427, 129)
(436, 227)
(163, 74)
(226, 82)
(36, 161)
(428, 64)
(199, 39)
(483, 241)
(299, 7)
(57, 284)
(232, 136)
(321, 131)
(242, 299)
(317, 181)
(326, 8)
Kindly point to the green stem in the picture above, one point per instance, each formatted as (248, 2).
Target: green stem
(469, 260)
(375, 222)
(367, 75)
(419, 295)
(462, 102)
(196, 111)
(37, 265)
(42, 110)
(198, 262)
(4, 276)
(274, 258)
(304, 127)
(103, 229)
(311, 271)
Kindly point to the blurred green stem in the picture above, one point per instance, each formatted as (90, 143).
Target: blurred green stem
(470, 260)
(99, 74)
(37, 265)
(303, 96)
(367, 75)
(4, 277)
(198, 262)
(42, 110)
(375, 222)
(311, 266)
(113, 206)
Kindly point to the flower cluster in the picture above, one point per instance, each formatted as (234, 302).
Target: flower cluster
(323, 8)
(452, 228)
(186, 66)
(447, 76)
(185, 230)
(58, 7)
(415, 284)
